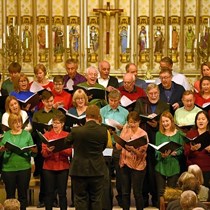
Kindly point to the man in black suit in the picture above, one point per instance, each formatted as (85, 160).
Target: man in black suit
(109, 82)
(88, 164)
(170, 92)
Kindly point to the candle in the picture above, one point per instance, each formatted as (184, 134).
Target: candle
(128, 37)
(4, 38)
(88, 37)
(208, 22)
(199, 37)
(8, 30)
(18, 30)
(195, 44)
(46, 36)
(1, 43)
(13, 21)
(147, 36)
(26, 42)
(67, 37)
(170, 36)
(22, 36)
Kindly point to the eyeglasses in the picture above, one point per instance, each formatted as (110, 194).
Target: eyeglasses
(165, 78)
(21, 81)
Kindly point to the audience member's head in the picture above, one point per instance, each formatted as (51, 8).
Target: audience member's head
(184, 176)
(191, 184)
(188, 200)
(11, 204)
(196, 171)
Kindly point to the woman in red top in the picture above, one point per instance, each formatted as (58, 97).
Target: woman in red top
(192, 152)
(56, 165)
(204, 95)
(205, 71)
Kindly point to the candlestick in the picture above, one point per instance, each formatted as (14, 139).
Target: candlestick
(26, 43)
(170, 36)
(208, 22)
(128, 37)
(18, 30)
(13, 21)
(8, 30)
(147, 36)
(199, 37)
(46, 36)
(67, 36)
(22, 36)
(88, 37)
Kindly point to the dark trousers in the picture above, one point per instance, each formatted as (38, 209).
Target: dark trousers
(134, 178)
(88, 192)
(55, 179)
(149, 185)
(163, 181)
(19, 180)
(116, 159)
(206, 177)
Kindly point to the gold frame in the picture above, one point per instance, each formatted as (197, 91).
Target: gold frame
(58, 19)
(174, 20)
(159, 20)
(26, 19)
(42, 19)
(143, 20)
(189, 20)
(124, 20)
(10, 19)
(73, 20)
(204, 19)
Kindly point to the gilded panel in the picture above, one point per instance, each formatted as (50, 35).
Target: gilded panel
(74, 7)
(205, 5)
(174, 7)
(42, 7)
(26, 8)
(12, 7)
(143, 8)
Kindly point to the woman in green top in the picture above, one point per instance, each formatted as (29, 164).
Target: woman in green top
(167, 167)
(16, 169)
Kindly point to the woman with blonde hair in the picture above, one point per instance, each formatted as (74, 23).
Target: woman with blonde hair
(12, 107)
(16, 168)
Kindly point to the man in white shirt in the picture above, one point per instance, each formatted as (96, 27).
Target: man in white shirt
(109, 82)
(178, 78)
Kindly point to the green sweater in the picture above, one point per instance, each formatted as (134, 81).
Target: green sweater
(13, 161)
(168, 166)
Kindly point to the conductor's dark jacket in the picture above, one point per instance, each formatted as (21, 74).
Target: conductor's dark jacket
(88, 141)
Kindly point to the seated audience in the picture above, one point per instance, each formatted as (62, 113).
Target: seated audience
(188, 200)
(205, 71)
(11, 204)
(203, 194)
(189, 184)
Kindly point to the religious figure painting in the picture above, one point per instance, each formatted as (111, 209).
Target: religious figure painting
(175, 38)
(41, 37)
(142, 40)
(189, 39)
(74, 39)
(26, 38)
(159, 40)
(94, 38)
(58, 40)
(123, 39)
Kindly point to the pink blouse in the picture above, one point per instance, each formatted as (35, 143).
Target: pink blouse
(131, 159)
